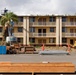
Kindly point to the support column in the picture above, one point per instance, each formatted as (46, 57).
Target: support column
(60, 31)
(27, 31)
(57, 31)
(24, 30)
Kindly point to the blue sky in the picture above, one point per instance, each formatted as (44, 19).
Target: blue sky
(43, 7)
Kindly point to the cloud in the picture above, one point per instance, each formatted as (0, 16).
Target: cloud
(23, 7)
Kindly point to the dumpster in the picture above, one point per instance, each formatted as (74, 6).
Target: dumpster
(2, 49)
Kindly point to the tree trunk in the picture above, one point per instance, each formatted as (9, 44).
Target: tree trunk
(3, 41)
(5, 34)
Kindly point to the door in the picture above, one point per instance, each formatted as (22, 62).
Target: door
(44, 32)
(72, 21)
(40, 41)
(71, 32)
(71, 42)
(44, 40)
(39, 32)
(42, 21)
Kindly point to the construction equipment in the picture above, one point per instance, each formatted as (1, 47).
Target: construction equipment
(74, 46)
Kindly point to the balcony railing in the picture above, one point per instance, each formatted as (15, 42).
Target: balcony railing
(69, 23)
(42, 23)
(18, 34)
(69, 34)
(18, 24)
(15, 34)
(42, 34)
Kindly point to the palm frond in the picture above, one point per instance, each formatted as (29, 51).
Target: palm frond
(8, 17)
(3, 20)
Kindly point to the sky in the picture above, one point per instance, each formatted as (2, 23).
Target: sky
(39, 7)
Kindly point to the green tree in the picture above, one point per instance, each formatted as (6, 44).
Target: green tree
(5, 22)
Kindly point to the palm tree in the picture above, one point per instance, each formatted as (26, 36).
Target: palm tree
(6, 22)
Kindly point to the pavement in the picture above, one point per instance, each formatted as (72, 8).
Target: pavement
(35, 58)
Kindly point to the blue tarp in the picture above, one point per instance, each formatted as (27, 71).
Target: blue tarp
(2, 49)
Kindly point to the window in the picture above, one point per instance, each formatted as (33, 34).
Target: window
(32, 19)
(32, 40)
(64, 19)
(20, 19)
(1, 29)
(52, 19)
(64, 29)
(32, 29)
(52, 29)
(75, 30)
(52, 40)
(20, 29)
(64, 40)
(0, 39)
(20, 40)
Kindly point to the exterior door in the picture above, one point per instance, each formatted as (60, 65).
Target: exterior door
(39, 32)
(40, 41)
(71, 42)
(72, 21)
(44, 40)
(71, 31)
(44, 32)
(42, 21)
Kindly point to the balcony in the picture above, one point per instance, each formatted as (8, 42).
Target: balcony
(69, 34)
(18, 34)
(42, 34)
(43, 24)
(15, 34)
(69, 23)
(18, 24)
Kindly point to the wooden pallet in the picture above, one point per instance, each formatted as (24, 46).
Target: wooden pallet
(29, 49)
(57, 67)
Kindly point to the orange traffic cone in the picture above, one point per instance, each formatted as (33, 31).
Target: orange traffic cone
(43, 47)
(68, 50)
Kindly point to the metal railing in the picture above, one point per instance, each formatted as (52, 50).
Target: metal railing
(69, 34)
(42, 34)
(69, 23)
(18, 24)
(18, 34)
(15, 34)
(42, 23)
